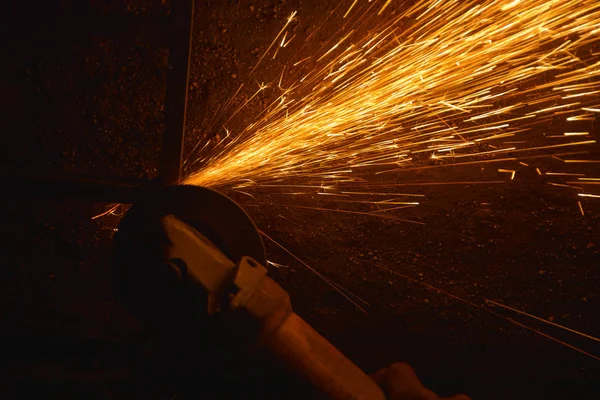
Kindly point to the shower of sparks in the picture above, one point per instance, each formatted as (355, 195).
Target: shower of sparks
(580, 208)
(351, 297)
(443, 83)
(511, 320)
(456, 83)
(112, 210)
(495, 303)
(595, 196)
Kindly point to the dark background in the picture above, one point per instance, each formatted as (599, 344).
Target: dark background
(81, 93)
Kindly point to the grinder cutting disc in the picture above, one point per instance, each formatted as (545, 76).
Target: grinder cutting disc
(213, 214)
(139, 243)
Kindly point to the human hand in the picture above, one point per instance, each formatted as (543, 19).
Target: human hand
(399, 382)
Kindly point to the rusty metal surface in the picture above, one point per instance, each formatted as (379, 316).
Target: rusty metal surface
(173, 31)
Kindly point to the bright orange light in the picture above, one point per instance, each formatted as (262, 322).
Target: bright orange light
(464, 75)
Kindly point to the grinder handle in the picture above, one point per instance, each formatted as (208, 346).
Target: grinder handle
(310, 354)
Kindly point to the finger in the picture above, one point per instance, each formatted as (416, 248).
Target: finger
(401, 382)
(403, 374)
(379, 376)
(402, 369)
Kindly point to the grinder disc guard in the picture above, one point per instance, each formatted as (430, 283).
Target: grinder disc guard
(140, 276)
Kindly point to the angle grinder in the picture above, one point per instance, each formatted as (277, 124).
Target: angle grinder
(189, 258)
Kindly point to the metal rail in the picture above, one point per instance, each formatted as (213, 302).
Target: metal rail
(126, 191)
(182, 23)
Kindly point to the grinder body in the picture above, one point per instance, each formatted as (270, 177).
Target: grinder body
(191, 256)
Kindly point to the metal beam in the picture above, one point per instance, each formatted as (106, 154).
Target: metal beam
(126, 191)
(182, 17)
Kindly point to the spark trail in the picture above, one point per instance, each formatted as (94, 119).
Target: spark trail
(443, 83)
(456, 83)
